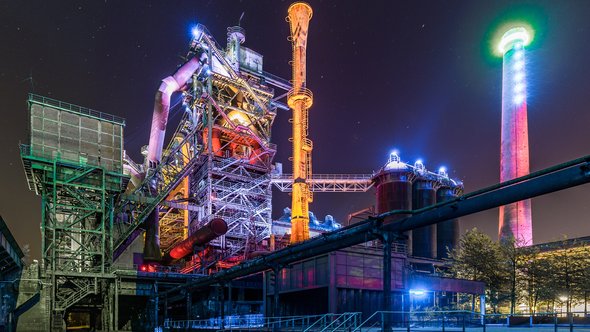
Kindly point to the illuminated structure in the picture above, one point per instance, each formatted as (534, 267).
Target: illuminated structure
(403, 187)
(218, 163)
(515, 219)
(300, 100)
(74, 162)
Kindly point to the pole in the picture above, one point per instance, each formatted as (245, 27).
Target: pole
(387, 280)
(221, 301)
(116, 319)
(229, 300)
(276, 304)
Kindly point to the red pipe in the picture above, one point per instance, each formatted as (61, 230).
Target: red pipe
(202, 236)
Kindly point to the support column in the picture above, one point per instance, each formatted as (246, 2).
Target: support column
(482, 307)
(189, 302)
(221, 302)
(165, 311)
(156, 298)
(276, 303)
(229, 299)
(386, 238)
(116, 310)
(332, 290)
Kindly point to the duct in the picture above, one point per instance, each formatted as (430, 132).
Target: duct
(202, 236)
(169, 85)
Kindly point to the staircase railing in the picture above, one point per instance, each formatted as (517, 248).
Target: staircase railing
(82, 292)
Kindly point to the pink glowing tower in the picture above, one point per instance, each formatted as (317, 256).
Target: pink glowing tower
(515, 218)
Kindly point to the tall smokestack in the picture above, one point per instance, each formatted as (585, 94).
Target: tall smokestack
(300, 100)
(515, 219)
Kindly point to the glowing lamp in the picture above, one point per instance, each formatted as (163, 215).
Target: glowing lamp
(417, 292)
(394, 156)
(518, 77)
(518, 99)
(196, 32)
(519, 87)
(518, 37)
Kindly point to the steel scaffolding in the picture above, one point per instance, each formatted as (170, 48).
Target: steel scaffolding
(233, 180)
(77, 198)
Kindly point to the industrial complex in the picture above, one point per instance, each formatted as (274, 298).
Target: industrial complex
(185, 238)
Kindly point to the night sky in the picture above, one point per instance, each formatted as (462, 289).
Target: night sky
(418, 76)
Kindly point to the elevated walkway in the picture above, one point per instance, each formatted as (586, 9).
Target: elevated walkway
(344, 183)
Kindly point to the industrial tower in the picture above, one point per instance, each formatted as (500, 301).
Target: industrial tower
(300, 100)
(515, 219)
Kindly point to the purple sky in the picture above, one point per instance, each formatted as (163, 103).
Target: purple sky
(417, 76)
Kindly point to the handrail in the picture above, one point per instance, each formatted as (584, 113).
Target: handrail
(75, 108)
(289, 177)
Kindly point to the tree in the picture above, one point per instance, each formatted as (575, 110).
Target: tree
(479, 258)
(569, 264)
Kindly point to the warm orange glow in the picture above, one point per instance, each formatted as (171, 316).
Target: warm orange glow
(300, 100)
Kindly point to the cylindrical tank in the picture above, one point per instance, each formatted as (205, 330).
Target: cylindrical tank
(424, 194)
(202, 236)
(394, 190)
(447, 232)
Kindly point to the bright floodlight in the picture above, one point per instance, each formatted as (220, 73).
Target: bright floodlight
(394, 156)
(417, 292)
(513, 37)
(196, 32)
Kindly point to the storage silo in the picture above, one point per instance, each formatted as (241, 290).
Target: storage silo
(447, 232)
(424, 194)
(393, 184)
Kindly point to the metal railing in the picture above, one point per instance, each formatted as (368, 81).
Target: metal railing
(459, 320)
(257, 322)
(75, 108)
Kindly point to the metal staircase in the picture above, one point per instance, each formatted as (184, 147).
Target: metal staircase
(335, 322)
(83, 288)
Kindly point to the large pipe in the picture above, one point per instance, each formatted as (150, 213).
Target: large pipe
(169, 85)
(563, 176)
(215, 228)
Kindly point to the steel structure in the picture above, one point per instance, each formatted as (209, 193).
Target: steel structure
(345, 183)
(515, 219)
(300, 99)
(233, 180)
(74, 163)
(218, 163)
(559, 177)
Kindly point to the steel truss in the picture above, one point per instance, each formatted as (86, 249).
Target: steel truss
(343, 183)
(233, 180)
(132, 209)
(76, 226)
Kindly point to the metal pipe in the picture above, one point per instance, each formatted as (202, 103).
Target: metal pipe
(169, 85)
(202, 236)
(566, 175)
